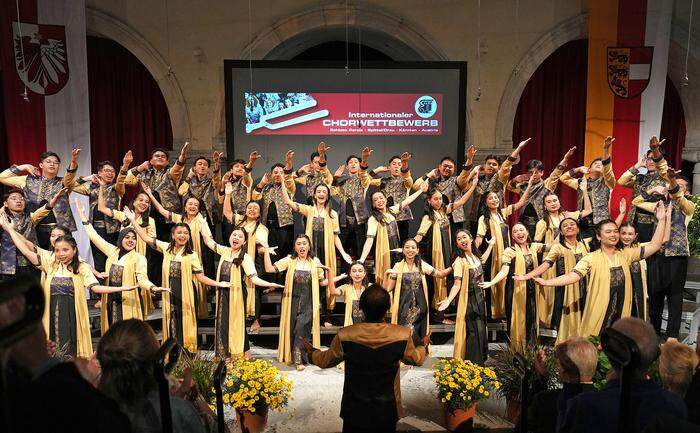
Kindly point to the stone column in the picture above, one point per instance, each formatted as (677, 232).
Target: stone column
(693, 154)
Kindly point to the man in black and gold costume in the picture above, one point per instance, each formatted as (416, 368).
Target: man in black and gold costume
(372, 351)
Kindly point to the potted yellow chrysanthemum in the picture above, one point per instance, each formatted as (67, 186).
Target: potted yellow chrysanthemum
(252, 387)
(460, 385)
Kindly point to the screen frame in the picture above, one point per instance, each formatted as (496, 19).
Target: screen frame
(461, 67)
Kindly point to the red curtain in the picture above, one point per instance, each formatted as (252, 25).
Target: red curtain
(552, 110)
(673, 125)
(127, 109)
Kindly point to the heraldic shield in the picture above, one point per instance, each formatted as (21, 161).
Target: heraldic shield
(629, 70)
(41, 58)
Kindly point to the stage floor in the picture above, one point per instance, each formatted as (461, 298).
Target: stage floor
(317, 394)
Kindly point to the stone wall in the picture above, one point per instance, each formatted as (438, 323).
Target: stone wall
(184, 43)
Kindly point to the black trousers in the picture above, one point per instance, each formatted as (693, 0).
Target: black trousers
(358, 426)
(352, 236)
(672, 272)
(98, 256)
(403, 230)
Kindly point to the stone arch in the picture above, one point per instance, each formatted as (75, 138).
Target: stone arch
(569, 30)
(311, 26)
(101, 24)
(400, 40)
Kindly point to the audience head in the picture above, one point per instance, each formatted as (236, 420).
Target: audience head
(577, 359)
(491, 164)
(126, 353)
(628, 234)
(50, 163)
(159, 158)
(374, 303)
(677, 364)
(15, 200)
(106, 171)
(352, 163)
(237, 167)
(644, 335)
(447, 166)
(201, 165)
(535, 168)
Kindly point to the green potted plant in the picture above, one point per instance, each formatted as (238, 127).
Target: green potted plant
(460, 385)
(510, 377)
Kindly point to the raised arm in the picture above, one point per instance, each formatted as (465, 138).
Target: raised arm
(207, 236)
(467, 195)
(94, 237)
(587, 207)
(228, 209)
(411, 198)
(288, 200)
(69, 180)
(176, 170)
(143, 234)
(629, 177)
(523, 197)
(156, 204)
(507, 166)
(654, 244)
(608, 173)
(553, 180)
(102, 203)
(491, 242)
(623, 211)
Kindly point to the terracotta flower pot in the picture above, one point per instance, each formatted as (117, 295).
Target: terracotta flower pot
(252, 422)
(461, 420)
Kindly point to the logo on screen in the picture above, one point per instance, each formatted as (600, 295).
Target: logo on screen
(426, 106)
